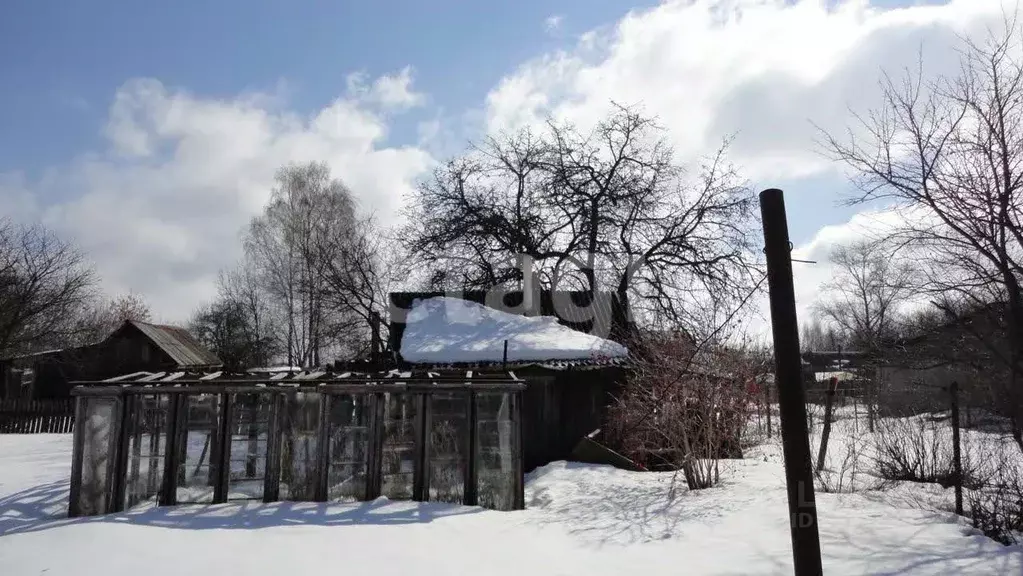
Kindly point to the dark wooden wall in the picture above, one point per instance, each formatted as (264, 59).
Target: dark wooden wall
(560, 407)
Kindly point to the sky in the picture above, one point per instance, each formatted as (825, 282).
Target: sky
(149, 134)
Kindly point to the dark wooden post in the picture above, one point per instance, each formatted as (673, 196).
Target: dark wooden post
(124, 425)
(767, 404)
(223, 472)
(421, 470)
(470, 495)
(871, 403)
(806, 550)
(375, 458)
(169, 490)
(323, 450)
(957, 461)
(829, 401)
(272, 470)
(515, 415)
(77, 453)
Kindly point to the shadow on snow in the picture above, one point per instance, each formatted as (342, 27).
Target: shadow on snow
(44, 507)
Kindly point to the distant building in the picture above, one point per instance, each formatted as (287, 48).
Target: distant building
(132, 347)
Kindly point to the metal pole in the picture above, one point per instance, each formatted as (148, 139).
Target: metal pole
(806, 548)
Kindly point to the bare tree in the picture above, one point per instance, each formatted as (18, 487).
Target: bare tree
(241, 288)
(609, 206)
(285, 244)
(864, 296)
(815, 336)
(44, 282)
(949, 153)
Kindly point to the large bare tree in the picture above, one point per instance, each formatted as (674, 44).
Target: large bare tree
(949, 153)
(608, 207)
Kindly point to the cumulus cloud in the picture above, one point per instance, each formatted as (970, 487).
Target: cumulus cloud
(159, 209)
(766, 72)
(762, 70)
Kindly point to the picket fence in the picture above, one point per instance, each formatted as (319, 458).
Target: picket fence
(37, 416)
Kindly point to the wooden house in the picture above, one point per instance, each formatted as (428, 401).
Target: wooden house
(557, 345)
(132, 347)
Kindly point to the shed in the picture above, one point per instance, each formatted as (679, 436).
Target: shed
(571, 375)
(134, 346)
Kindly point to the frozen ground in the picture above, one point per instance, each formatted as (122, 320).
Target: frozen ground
(586, 520)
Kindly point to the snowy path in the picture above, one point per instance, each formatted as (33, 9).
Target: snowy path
(582, 520)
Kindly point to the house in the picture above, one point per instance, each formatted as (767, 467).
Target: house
(571, 373)
(134, 346)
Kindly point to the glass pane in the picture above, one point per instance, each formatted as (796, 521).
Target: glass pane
(249, 428)
(99, 435)
(449, 439)
(399, 446)
(300, 424)
(147, 444)
(349, 447)
(495, 460)
(196, 468)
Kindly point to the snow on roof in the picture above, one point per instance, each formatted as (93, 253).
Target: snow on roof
(452, 330)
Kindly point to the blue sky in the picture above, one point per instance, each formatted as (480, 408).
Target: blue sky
(62, 61)
(149, 132)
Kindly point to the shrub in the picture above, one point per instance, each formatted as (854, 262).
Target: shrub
(677, 413)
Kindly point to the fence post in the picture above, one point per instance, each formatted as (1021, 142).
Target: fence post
(767, 405)
(806, 548)
(957, 461)
(828, 404)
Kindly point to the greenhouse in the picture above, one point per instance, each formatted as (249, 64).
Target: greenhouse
(163, 439)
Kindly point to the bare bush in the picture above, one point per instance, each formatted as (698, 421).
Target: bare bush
(676, 413)
(847, 472)
(996, 509)
(920, 449)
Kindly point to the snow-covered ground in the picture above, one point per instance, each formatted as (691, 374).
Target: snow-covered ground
(581, 519)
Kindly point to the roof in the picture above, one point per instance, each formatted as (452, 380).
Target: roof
(179, 344)
(579, 310)
(453, 330)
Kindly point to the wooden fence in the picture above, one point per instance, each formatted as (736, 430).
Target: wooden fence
(37, 416)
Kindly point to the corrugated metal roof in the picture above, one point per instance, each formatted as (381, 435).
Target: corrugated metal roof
(177, 343)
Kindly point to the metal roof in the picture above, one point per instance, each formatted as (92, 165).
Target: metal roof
(177, 343)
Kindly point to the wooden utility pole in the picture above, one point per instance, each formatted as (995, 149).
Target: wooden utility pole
(957, 458)
(806, 547)
(829, 402)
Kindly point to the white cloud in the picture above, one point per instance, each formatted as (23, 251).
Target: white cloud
(160, 210)
(389, 92)
(761, 69)
(553, 23)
